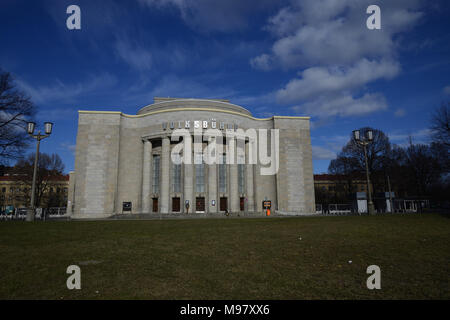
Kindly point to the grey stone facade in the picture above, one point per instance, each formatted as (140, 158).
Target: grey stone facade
(117, 155)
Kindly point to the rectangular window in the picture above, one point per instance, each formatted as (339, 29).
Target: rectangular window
(155, 183)
(176, 175)
(241, 178)
(199, 173)
(223, 174)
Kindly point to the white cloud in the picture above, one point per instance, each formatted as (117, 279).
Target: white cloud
(342, 104)
(402, 138)
(336, 142)
(339, 56)
(400, 113)
(60, 91)
(208, 15)
(172, 85)
(324, 80)
(134, 55)
(335, 32)
(69, 147)
(285, 22)
(261, 62)
(446, 90)
(320, 153)
(60, 113)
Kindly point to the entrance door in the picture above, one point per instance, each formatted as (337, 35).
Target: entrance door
(200, 204)
(176, 204)
(223, 204)
(155, 205)
(242, 204)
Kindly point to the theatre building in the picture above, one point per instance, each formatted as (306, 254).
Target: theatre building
(190, 156)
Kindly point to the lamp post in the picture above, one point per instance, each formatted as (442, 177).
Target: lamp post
(364, 143)
(30, 129)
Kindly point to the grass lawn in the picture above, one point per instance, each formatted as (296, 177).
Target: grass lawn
(228, 258)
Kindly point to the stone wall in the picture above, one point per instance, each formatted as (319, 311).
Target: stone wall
(109, 162)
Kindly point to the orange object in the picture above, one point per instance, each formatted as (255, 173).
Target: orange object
(268, 212)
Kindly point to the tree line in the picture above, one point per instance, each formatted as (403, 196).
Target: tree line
(414, 170)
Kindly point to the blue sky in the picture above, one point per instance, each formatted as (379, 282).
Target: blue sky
(314, 58)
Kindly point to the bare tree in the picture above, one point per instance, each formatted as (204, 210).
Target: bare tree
(348, 168)
(350, 161)
(50, 167)
(440, 124)
(425, 169)
(15, 107)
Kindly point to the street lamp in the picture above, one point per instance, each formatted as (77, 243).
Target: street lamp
(364, 142)
(30, 129)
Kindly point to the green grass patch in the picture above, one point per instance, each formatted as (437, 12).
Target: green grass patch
(228, 258)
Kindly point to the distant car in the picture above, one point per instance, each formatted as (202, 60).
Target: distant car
(21, 213)
(9, 210)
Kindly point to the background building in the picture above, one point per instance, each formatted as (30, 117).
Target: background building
(15, 191)
(337, 188)
(124, 161)
(341, 193)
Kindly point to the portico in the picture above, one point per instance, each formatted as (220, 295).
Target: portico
(208, 186)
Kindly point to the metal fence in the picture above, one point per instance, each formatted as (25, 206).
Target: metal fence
(41, 213)
(400, 206)
(335, 209)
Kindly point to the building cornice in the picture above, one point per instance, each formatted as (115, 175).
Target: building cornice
(191, 109)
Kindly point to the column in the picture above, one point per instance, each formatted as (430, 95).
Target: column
(71, 193)
(189, 183)
(146, 176)
(165, 166)
(234, 187)
(249, 177)
(212, 176)
(256, 180)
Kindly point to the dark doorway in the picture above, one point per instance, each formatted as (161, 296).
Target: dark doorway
(200, 204)
(242, 204)
(155, 205)
(176, 204)
(223, 204)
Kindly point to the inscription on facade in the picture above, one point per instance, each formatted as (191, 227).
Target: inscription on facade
(204, 124)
